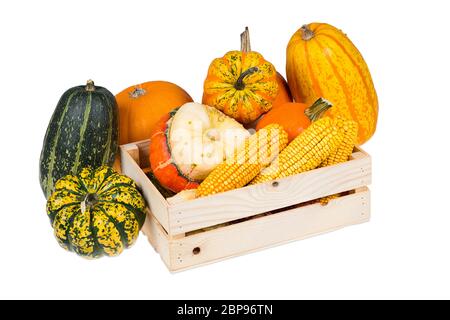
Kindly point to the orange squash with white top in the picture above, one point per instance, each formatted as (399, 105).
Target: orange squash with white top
(189, 142)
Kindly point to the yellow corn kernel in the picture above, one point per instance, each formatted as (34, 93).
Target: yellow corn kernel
(349, 129)
(304, 153)
(256, 153)
(345, 149)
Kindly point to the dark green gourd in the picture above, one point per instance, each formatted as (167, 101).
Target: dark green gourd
(83, 131)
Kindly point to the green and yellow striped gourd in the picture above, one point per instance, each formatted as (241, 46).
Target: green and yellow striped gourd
(98, 212)
(83, 131)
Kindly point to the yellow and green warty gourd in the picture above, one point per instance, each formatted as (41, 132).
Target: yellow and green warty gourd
(241, 84)
(97, 212)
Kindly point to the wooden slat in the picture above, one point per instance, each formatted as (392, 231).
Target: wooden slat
(156, 202)
(144, 150)
(200, 213)
(268, 231)
(157, 237)
(359, 149)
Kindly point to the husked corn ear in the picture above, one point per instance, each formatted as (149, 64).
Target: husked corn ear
(349, 128)
(304, 153)
(256, 153)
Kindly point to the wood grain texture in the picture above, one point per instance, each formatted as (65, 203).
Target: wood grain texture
(245, 202)
(180, 218)
(155, 201)
(144, 150)
(263, 232)
(157, 237)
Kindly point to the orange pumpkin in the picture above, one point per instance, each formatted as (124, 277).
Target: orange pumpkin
(141, 106)
(321, 61)
(284, 94)
(294, 117)
(241, 84)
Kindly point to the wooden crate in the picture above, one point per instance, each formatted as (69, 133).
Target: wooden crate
(200, 231)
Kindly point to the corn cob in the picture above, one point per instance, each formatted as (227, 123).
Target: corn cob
(345, 149)
(304, 153)
(256, 153)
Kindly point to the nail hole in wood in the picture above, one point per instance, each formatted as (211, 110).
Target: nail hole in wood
(275, 184)
(196, 251)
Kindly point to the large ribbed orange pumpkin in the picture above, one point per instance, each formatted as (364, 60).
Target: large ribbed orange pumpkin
(322, 62)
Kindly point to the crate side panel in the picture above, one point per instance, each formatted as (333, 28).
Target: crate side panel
(158, 205)
(157, 237)
(204, 212)
(269, 231)
(144, 151)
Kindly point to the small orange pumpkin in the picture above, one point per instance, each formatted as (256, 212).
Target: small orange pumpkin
(241, 84)
(141, 106)
(294, 117)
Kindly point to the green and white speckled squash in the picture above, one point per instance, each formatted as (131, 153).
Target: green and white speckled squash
(98, 212)
(83, 131)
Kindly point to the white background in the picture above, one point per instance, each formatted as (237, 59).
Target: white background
(404, 252)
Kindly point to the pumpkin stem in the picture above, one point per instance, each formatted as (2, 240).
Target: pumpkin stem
(89, 201)
(245, 41)
(239, 85)
(317, 110)
(137, 92)
(307, 33)
(90, 85)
